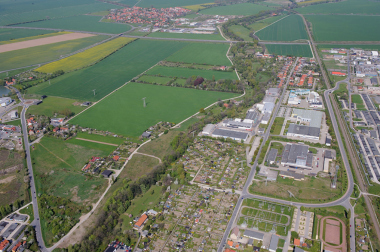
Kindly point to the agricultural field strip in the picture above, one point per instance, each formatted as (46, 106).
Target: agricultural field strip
(272, 23)
(42, 41)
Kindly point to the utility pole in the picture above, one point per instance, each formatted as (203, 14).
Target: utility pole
(94, 91)
(49, 82)
(144, 101)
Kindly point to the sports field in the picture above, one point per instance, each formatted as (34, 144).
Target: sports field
(52, 105)
(110, 73)
(264, 23)
(81, 23)
(288, 29)
(243, 9)
(169, 104)
(344, 28)
(85, 58)
(45, 53)
(169, 3)
(187, 72)
(16, 12)
(291, 50)
(202, 53)
(17, 35)
(347, 7)
(242, 32)
(186, 36)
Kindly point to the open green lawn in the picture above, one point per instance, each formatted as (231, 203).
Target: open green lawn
(52, 105)
(346, 7)
(44, 53)
(186, 36)
(202, 53)
(57, 166)
(291, 50)
(81, 23)
(16, 12)
(29, 211)
(164, 103)
(245, 9)
(119, 67)
(344, 27)
(288, 29)
(264, 22)
(277, 125)
(242, 32)
(138, 166)
(160, 146)
(7, 34)
(106, 149)
(101, 138)
(154, 79)
(357, 99)
(187, 72)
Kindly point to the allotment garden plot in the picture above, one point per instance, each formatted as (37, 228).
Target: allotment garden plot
(169, 104)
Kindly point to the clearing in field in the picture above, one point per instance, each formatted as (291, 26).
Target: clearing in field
(52, 105)
(344, 7)
(122, 66)
(168, 104)
(43, 41)
(44, 53)
(202, 53)
(187, 72)
(243, 9)
(186, 36)
(288, 29)
(264, 23)
(4, 33)
(344, 28)
(81, 23)
(242, 32)
(291, 50)
(85, 58)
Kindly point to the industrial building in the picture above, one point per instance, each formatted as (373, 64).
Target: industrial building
(208, 129)
(311, 117)
(237, 124)
(265, 119)
(273, 243)
(253, 235)
(235, 135)
(296, 130)
(271, 158)
(4, 101)
(296, 155)
(252, 116)
(273, 92)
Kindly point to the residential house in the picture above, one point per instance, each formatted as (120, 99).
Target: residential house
(235, 233)
(141, 221)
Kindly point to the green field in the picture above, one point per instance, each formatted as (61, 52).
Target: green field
(241, 31)
(202, 53)
(81, 23)
(52, 105)
(11, 33)
(292, 50)
(104, 148)
(169, 104)
(344, 28)
(245, 9)
(264, 22)
(288, 29)
(154, 79)
(15, 12)
(169, 3)
(101, 138)
(357, 99)
(14, 72)
(368, 47)
(44, 53)
(187, 72)
(122, 66)
(347, 7)
(186, 36)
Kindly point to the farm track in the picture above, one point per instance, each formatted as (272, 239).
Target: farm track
(93, 141)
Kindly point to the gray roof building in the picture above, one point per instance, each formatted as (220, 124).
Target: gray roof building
(252, 115)
(374, 81)
(237, 125)
(292, 174)
(273, 92)
(268, 107)
(297, 155)
(272, 155)
(253, 235)
(296, 249)
(146, 134)
(269, 99)
(313, 117)
(235, 135)
(208, 129)
(273, 243)
(265, 118)
(297, 130)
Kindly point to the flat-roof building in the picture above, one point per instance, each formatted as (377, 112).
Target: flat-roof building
(252, 116)
(208, 129)
(297, 155)
(273, 243)
(292, 175)
(237, 125)
(312, 117)
(272, 154)
(296, 130)
(265, 119)
(253, 235)
(235, 135)
(268, 108)
(273, 92)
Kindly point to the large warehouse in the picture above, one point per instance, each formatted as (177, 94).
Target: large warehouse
(297, 155)
(235, 135)
(296, 130)
(312, 117)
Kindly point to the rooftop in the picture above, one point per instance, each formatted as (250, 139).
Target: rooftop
(303, 130)
(253, 234)
(314, 116)
(230, 133)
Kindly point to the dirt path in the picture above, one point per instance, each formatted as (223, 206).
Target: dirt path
(42, 41)
(93, 141)
(159, 159)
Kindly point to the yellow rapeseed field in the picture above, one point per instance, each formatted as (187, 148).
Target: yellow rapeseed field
(198, 7)
(85, 58)
(33, 37)
(310, 1)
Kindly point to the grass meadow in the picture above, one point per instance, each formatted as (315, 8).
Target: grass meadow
(292, 50)
(264, 23)
(344, 7)
(57, 167)
(288, 29)
(101, 138)
(52, 105)
(81, 23)
(242, 32)
(344, 28)
(244, 9)
(120, 67)
(33, 37)
(155, 79)
(11, 35)
(85, 58)
(170, 104)
(44, 53)
(16, 12)
(187, 72)
(186, 36)
(202, 53)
